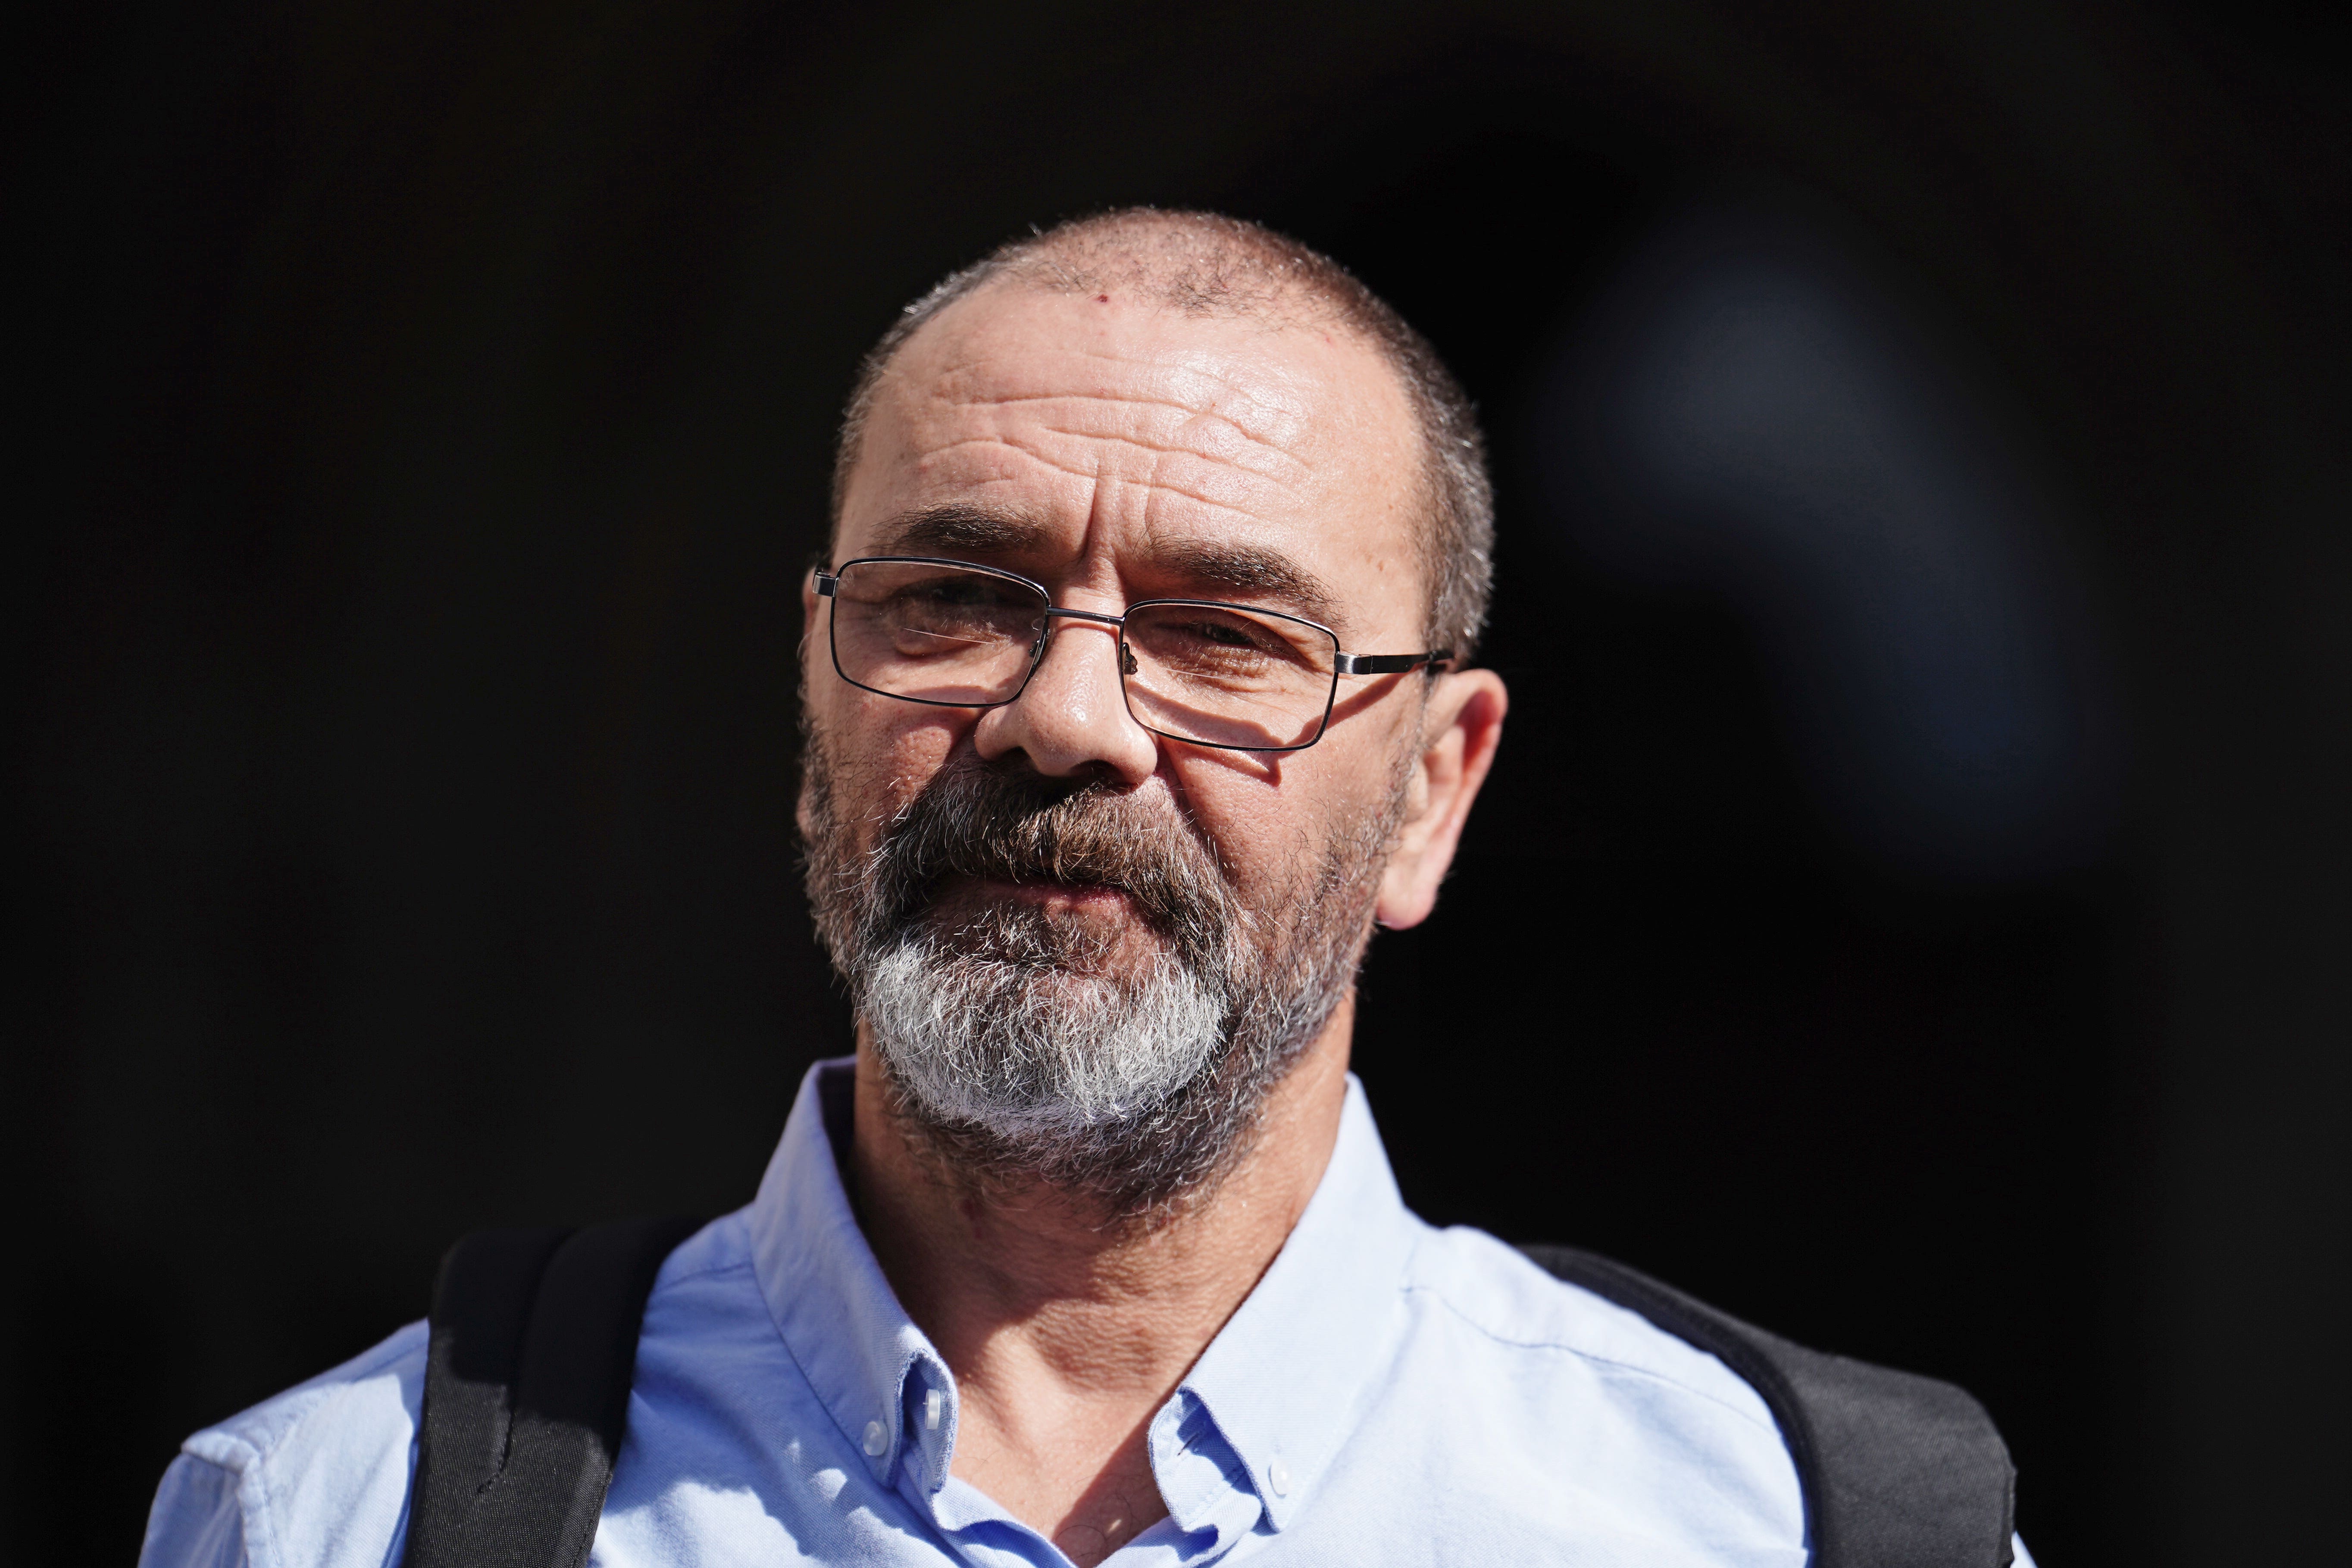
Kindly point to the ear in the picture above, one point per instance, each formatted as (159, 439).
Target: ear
(1460, 730)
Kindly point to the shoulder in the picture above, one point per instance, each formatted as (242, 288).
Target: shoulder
(317, 1475)
(1659, 1408)
(1663, 1437)
(1561, 1427)
(1497, 1291)
(719, 1251)
(320, 1474)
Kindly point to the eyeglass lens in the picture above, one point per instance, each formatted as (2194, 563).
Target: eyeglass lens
(1217, 675)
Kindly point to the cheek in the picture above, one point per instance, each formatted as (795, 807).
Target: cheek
(1365, 755)
(882, 753)
(1272, 830)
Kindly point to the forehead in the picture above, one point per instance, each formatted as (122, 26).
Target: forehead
(1115, 425)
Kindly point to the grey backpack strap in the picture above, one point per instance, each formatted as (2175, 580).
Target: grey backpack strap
(1898, 1471)
(533, 1345)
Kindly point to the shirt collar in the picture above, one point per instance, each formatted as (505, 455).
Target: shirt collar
(1252, 1426)
(836, 1312)
(1284, 1378)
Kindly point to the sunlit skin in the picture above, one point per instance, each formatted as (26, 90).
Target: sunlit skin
(1115, 451)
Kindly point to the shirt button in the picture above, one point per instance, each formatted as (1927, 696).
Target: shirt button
(876, 1440)
(1277, 1474)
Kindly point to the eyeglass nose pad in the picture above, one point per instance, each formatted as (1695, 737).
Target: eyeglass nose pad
(1126, 665)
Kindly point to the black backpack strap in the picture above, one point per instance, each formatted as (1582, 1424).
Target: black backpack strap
(1898, 1471)
(526, 1391)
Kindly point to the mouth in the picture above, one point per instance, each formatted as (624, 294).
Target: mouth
(961, 895)
(1088, 929)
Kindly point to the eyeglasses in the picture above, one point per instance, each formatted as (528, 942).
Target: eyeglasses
(954, 635)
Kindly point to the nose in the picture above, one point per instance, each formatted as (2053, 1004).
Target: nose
(1071, 720)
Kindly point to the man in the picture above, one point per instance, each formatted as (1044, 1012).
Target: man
(1137, 693)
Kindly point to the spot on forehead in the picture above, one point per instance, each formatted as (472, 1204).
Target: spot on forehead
(1199, 264)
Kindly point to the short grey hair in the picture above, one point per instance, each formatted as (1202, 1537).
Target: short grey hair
(1207, 264)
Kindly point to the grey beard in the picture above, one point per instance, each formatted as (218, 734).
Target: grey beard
(1015, 1046)
(986, 1028)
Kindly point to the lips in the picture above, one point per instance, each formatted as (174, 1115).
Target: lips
(1051, 888)
(1053, 895)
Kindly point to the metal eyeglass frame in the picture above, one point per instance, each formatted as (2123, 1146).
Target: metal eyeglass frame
(829, 577)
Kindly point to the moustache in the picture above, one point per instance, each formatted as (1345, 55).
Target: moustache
(1024, 829)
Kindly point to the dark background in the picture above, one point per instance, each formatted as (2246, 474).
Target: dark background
(424, 413)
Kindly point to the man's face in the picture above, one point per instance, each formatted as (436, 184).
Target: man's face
(1114, 452)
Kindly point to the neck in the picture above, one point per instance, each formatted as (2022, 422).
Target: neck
(1067, 1332)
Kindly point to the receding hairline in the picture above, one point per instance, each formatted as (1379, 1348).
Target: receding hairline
(1279, 304)
(1196, 263)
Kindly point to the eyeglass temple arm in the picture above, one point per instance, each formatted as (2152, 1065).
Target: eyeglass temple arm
(1389, 663)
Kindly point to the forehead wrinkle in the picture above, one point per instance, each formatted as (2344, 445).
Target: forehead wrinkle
(1207, 435)
(1210, 430)
(1210, 437)
(1160, 451)
(1158, 483)
(1272, 395)
(1192, 414)
(1261, 475)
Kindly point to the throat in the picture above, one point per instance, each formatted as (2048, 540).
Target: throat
(1067, 1333)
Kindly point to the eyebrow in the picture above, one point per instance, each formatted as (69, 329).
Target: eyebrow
(962, 528)
(1249, 569)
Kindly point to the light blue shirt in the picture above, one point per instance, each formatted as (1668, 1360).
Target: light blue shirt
(1389, 1393)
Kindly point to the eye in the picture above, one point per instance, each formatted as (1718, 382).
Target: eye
(1210, 644)
(1225, 634)
(1216, 637)
(956, 592)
